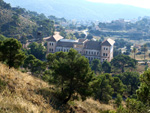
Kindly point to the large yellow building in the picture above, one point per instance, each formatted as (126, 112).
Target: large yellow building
(90, 49)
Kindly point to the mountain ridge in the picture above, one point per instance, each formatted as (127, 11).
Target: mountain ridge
(82, 10)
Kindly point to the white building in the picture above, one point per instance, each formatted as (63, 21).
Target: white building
(90, 49)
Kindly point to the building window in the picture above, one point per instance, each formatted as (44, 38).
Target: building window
(94, 53)
(50, 44)
(103, 54)
(64, 50)
(97, 53)
(86, 52)
(106, 54)
(52, 50)
(104, 48)
(89, 52)
(49, 49)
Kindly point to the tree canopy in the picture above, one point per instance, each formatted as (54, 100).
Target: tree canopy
(73, 74)
(11, 53)
(38, 50)
(89, 36)
(105, 86)
(96, 66)
(106, 67)
(131, 80)
(34, 65)
(122, 61)
(143, 92)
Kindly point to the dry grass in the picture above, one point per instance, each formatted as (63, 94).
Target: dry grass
(92, 106)
(140, 68)
(20, 95)
(141, 56)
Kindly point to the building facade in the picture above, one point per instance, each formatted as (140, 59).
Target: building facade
(90, 49)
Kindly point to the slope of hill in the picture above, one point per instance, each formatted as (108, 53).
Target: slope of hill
(17, 22)
(24, 93)
(13, 23)
(82, 9)
(20, 95)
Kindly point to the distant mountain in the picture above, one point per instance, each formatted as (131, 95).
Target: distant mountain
(81, 9)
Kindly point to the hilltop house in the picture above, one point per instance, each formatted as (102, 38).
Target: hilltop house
(90, 49)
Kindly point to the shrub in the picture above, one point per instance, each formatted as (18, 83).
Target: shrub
(118, 100)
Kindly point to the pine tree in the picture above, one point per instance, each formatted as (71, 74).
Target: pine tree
(11, 52)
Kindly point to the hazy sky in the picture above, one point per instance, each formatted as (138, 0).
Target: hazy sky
(137, 3)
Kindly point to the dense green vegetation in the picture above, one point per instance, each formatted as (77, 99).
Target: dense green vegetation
(10, 52)
(143, 92)
(73, 75)
(38, 50)
(105, 87)
(122, 61)
(34, 65)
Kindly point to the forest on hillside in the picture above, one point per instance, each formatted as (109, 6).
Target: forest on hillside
(18, 22)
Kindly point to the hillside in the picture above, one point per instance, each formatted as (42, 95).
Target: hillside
(82, 9)
(7, 23)
(20, 93)
(17, 22)
(24, 94)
